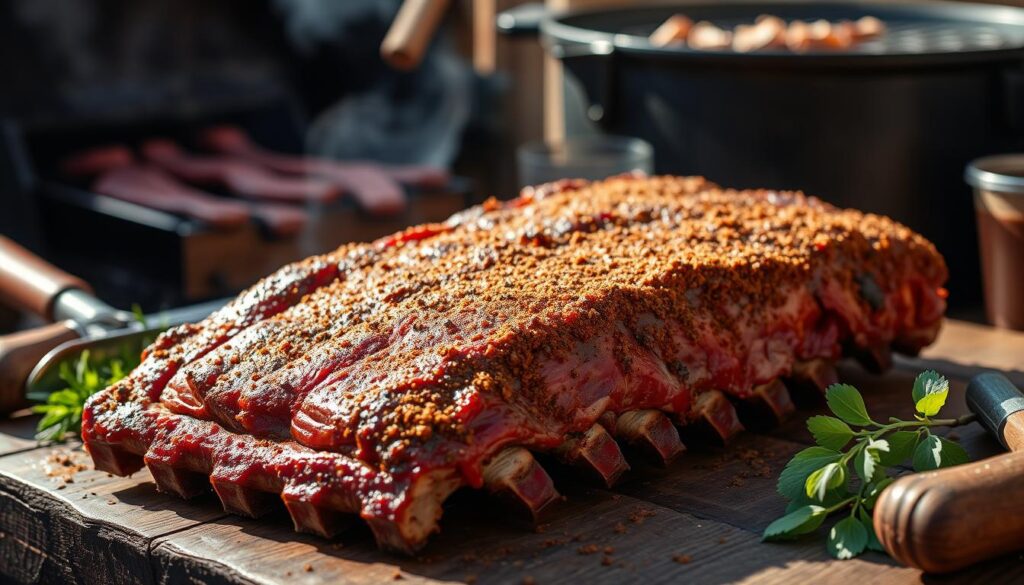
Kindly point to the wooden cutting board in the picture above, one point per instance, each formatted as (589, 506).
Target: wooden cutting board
(698, 521)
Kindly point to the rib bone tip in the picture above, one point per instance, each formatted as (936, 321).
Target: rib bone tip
(597, 452)
(815, 374)
(652, 432)
(714, 409)
(515, 475)
(775, 397)
(182, 483)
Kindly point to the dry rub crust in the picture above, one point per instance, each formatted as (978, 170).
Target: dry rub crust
(376, 379)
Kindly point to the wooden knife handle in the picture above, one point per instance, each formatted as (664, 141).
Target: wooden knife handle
(30, 283)
(411, 32)
(19, 353)
(946, 520)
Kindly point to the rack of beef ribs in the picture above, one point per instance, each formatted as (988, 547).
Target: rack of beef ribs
(375, 380)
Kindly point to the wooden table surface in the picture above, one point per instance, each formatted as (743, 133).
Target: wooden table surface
(698, 521)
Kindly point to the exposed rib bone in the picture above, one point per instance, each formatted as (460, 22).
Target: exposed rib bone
(410, 529)
(910, 342)
(182, 483)
(714, 410)
(775, 397)
(597, 452)
(114, 459)
(652, 432)
(241, 500)
(876, 359)
(310, 517)
(767, 405)
(813, 375)
(515, 476)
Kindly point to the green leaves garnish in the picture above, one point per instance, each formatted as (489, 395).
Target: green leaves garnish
(794, 476)
(930, 392)
(901, 448)
(868, 459)
(847, 403)
(62, 412)
(848, 538)
(800, 521)
(935, 452)
(829, 431)
(818, 481)
(824, 480)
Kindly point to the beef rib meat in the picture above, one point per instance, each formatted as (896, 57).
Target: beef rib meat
(374, 380)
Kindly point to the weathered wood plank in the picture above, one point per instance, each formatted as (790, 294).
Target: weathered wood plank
(89, 527)
(963, 349)
(597, 537)
(18, 433)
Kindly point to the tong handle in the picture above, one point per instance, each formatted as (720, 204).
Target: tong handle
(949, 519)
(19, 353)
(30, 283)
(411, 32)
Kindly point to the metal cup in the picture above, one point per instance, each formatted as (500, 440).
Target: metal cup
(592, 157)
(998, 183)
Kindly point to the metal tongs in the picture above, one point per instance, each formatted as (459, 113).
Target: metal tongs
(30, 360)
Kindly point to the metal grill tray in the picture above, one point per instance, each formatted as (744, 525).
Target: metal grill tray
(950, 32)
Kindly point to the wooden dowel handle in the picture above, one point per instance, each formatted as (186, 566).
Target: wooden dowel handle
(411, 32)
(946, 520)
(19, 353)
(30, 283)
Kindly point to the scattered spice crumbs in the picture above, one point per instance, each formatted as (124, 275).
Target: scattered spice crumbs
(307, 568)
(588, 549)
(62, 465)
(606, 561)
(528, 580)
(620, 528)
(638, 515)
(682, 559)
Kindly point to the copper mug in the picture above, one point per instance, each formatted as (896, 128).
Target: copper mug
(998, 183)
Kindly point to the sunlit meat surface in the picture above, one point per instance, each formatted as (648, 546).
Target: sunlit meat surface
(575, 319)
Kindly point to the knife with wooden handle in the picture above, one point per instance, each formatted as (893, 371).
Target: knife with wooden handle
(30, 360)
(945, 520)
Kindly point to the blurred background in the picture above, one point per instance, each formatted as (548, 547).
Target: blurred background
(174, 151)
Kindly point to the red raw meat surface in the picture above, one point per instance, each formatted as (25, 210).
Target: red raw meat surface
(378, 378)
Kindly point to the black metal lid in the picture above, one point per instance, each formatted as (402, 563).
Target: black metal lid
(918, 33)
(993, 398)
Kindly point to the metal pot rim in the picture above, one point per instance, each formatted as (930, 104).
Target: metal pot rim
(993, 173)
(562, 34)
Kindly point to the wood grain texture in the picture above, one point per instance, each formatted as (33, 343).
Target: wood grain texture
(963, 349)
(699, 520)
(93, 529)
(18, 433)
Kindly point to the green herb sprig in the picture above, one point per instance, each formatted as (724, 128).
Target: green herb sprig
(824, 480)
(62, 411)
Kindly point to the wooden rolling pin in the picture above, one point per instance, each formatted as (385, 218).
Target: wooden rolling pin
(411, 32)
(946, 520)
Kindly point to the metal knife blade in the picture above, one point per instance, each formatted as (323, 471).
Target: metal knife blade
(45, 377)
